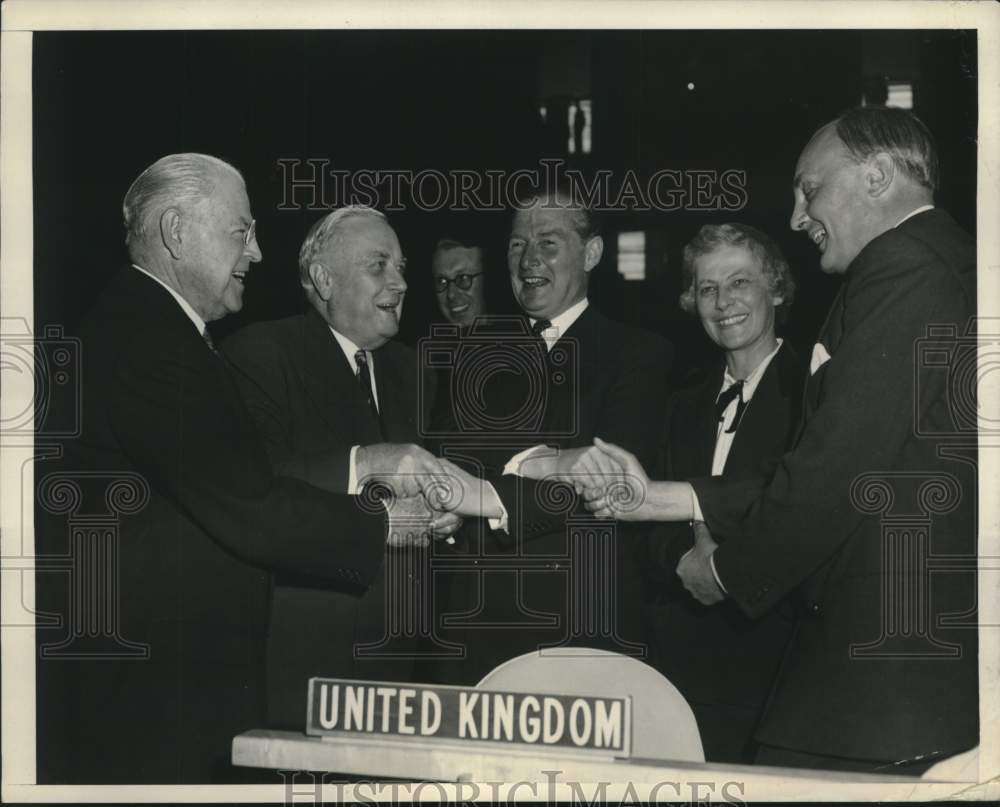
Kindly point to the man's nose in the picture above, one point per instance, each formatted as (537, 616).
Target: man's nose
(799, 216)
(453, 292)
(253, 251)
(529, 257)
(396, 280)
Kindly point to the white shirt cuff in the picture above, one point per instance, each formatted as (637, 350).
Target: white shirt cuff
(352, 474)
(502, 522)
(513, 466)
(695, 507)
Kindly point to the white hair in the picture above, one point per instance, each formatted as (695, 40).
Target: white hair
(323, 232)
(176, 179)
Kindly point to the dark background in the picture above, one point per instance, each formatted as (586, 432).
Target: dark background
(107, 104)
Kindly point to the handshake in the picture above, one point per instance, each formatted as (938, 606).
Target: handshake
(426, 496)
(609, 479)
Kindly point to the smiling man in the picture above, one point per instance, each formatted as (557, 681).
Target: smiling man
(459, 281)
(881, 673)
(578, 374)
(335, 400)
(193, 517)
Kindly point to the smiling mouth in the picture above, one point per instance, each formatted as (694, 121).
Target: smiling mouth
(241, 276)
(458, 309)
(818, 237)
(534, 282)
(388, 307)
(734, 320)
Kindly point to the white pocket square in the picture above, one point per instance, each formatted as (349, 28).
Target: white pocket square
(819, 358)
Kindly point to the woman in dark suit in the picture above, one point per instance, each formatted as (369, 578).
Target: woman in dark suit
(738, 284)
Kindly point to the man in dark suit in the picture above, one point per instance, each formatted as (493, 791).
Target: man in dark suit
(187, 573)
(882, 671)
(743, 414)
(549, 383)
(329, 389)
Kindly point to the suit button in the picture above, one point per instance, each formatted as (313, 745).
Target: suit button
(814, 609)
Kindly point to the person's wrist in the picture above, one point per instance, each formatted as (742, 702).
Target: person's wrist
(361, 464)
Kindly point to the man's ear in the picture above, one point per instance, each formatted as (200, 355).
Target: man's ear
(170, 231)
(592, 251)
(879, 173)
(322, 282)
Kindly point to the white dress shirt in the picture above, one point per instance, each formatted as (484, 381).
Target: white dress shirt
(724, 438)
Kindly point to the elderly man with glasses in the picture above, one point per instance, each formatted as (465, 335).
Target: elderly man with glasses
(196, 516)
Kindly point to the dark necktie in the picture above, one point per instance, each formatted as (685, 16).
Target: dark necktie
(731, 393)
(540, 326)
(365, 382)
(208, 341)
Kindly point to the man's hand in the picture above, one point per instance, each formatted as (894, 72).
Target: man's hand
(445, 524)
(407, 469)
(462, 493)
(612, 481)
(413, 523)
(695, 568)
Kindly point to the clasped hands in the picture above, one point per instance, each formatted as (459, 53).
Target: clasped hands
(430, 495)
(613, 484)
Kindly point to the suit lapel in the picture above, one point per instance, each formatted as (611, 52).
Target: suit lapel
(328, 380)
(580, 344)
(395, 407)
(707, 428)
(747, 448)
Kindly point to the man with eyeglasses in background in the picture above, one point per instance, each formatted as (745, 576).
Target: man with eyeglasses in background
(459, 280)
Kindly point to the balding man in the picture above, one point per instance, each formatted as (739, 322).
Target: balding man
(160, 409)
(334, 397)
(881, 673)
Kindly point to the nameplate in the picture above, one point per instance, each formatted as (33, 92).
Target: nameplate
(464, 715)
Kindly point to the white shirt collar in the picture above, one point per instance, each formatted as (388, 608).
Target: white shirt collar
(349, 349)
(561, 323)
(192, 315)
(913, 213)
(751, 381)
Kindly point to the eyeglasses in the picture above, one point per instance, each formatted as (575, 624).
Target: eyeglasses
(251, 233)
(464, 282)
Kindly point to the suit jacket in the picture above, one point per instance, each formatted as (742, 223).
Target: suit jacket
(873, 444)
(600, 378)
(309, 410)
(722, 661)
(160, 410)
